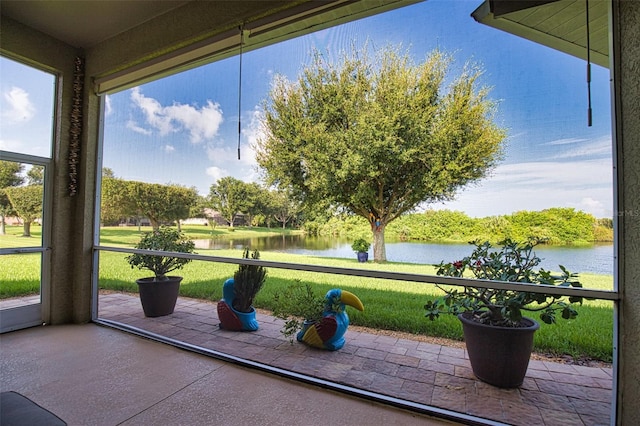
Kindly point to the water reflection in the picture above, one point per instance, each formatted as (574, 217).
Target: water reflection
(284, 243)
(596, 259)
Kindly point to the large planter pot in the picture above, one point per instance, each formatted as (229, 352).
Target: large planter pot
(363, 256)
(158, 298)
(498, 355)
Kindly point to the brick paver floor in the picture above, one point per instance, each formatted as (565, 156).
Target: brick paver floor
(424, 373)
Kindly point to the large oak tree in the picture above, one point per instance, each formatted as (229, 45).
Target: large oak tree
(379, 135)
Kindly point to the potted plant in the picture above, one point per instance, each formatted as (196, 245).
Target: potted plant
(235, 310)
(317, 321)
(158, 294)
(361, 247)
(499, 339)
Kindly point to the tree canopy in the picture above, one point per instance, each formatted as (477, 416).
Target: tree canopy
(285, 207)
(229, 196)
(35, 175)
(157, 202)
(27, 202)
(10, 175)
(379, 135)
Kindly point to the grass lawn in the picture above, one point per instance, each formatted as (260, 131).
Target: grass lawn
(389, 305)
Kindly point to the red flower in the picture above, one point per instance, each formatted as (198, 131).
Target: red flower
(458, 264)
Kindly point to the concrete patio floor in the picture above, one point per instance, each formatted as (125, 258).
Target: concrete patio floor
(90, 375)
(410, 370)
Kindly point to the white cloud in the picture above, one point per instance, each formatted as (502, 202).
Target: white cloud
(225, 160)
(107, 105)
(216, 173)
(574, 174)
(201, 123)
(583, 185)
(600, 147)
(252, 133)
(566, 141)
(132, 125)
(168, 148)
(20, 108)
(152, 111)
(596, 207)
(11, 145)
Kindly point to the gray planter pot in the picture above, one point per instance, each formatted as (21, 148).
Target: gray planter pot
(499, 355)
(158, 298)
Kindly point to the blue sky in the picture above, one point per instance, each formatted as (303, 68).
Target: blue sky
(183, 129)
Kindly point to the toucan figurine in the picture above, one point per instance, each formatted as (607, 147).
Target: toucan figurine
(231, 319)
(328, 333)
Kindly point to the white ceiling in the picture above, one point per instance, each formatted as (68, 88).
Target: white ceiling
(84, 23)
(559, 24)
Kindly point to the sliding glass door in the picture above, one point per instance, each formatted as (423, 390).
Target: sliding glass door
(25, 174)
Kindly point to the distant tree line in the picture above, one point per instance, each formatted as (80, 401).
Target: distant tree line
(21, 195)
(171, 203)
(554, 226)
(230, 197)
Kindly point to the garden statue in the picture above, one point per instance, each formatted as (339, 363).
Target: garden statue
(328, 332)
(235, 310)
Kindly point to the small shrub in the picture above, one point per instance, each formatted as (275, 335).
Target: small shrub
(162, 239)
(296, 304)
(360, 245)
(248, 280)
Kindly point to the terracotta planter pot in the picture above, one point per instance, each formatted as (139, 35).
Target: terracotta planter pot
(499, 355)
(158, 298)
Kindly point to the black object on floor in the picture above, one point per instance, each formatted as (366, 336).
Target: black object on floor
(18, 410)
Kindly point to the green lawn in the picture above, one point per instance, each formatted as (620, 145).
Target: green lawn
(390, 305)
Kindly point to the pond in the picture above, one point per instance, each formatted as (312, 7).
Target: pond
(597, 259)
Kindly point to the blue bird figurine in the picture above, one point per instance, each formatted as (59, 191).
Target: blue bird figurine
(230, 318)
(328, 333)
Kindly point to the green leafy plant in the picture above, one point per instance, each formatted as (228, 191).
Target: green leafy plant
(513, 262)
(163, 239)
(295, 305)
(248, 280)
(360, 245)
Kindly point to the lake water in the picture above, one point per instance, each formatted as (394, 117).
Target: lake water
(596, 259)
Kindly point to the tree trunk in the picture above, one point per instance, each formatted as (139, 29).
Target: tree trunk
(26, 229)
(379, 250)
(155, 224)
(3, 229)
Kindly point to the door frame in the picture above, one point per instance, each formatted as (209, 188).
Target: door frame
(30, 315)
